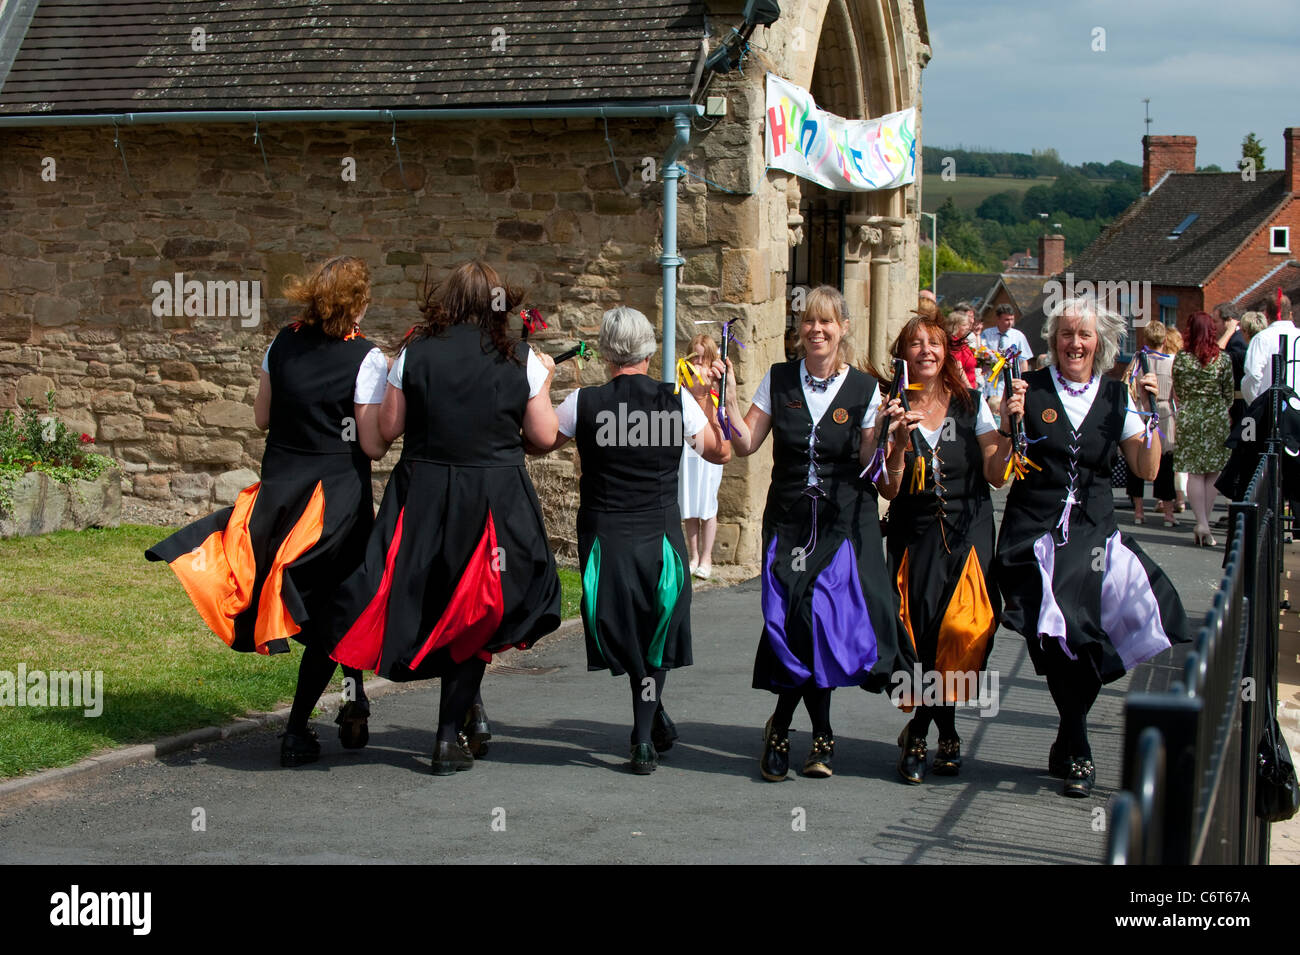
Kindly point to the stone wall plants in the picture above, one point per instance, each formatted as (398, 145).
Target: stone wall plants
(51, 478)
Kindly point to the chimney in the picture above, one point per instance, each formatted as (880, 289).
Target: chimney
(1162, 154)
(1292, 139)
(1051, 254)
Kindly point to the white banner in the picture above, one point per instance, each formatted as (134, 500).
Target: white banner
(841, 154)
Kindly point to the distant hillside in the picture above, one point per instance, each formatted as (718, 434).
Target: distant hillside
(990, 205)
(1040, 163)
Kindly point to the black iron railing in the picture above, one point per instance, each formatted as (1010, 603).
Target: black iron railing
(1190, 753)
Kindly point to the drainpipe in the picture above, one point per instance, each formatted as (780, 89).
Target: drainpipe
(670, 260)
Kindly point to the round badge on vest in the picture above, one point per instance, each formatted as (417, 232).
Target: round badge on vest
(840, 415)
(1049, 415)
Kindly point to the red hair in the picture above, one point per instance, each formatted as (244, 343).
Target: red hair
(1200, 338)
(951, 378)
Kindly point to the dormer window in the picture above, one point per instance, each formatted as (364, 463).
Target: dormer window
(1279, 239)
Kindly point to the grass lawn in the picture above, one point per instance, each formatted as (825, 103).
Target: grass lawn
(89, 600)
(969, 191)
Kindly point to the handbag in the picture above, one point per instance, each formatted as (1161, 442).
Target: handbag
(1277, 795)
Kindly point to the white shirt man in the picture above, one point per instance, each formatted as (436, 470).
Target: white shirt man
(999, 338)
(1258, 374)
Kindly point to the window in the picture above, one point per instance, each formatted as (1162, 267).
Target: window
(1279, 239)
(1182, 227)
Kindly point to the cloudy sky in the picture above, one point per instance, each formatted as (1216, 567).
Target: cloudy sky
(1009, 75)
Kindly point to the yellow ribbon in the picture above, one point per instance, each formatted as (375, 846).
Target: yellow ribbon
(685, 372)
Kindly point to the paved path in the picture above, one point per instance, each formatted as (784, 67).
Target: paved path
(556, 775)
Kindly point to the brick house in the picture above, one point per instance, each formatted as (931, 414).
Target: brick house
(244, 141)
(1020, 288)
(1198, 238)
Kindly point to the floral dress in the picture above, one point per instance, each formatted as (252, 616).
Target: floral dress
(1204, 396)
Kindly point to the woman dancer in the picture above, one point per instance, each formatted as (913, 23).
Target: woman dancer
(266, 569)
(940, 540)
(1089, 602)
(1202, 377)
(458, 566)
(700, 479)
(830, 615)
(636, 592)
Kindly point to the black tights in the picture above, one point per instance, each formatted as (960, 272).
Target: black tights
(460, 690)
(944, 717)
(1074, 685)
(314, 674)
(816, 700)
(643, 710)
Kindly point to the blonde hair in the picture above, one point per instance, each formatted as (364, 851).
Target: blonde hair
(707, 346)
(826, 299)
(1173, 342)
(1154, 335)
(1252, 323)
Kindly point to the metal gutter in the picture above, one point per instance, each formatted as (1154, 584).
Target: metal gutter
(681, 114)
(350, 115)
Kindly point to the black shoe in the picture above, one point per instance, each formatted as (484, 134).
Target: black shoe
(1079, 782)
(911, 757)
(818, 763)
(1057, 765)
(775, 763)
(663, 731)
(354, 732)
(476, 732)
(947, 758)
(450, 758)
(644, 759)
(298, 749)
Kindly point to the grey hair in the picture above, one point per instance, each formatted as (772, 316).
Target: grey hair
(1109, 325)
(626, 337)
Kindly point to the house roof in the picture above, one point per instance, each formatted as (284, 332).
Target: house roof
(78, 56)
(1228, 211)
(974, 287)
(1285, 276)
(1026, 291)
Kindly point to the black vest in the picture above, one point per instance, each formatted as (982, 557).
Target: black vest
(465, 401)
(838, 439)
(955, 487)
(630, 433)
(1078, 460)
(313, 383)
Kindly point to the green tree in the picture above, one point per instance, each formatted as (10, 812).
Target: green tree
(1003, 207)
(949, 261)
(1252, 149)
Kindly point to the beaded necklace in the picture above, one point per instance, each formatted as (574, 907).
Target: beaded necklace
(1082, 390)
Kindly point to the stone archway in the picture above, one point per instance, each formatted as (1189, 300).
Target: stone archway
(860, 67)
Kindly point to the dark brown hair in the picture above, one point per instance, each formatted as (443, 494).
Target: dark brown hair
(333, 296)
(472, 294)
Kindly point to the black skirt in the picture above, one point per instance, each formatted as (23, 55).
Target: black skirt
(267, 568)
(636, 590)
(458, 565)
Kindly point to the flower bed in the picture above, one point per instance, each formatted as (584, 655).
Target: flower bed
(51, 478)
